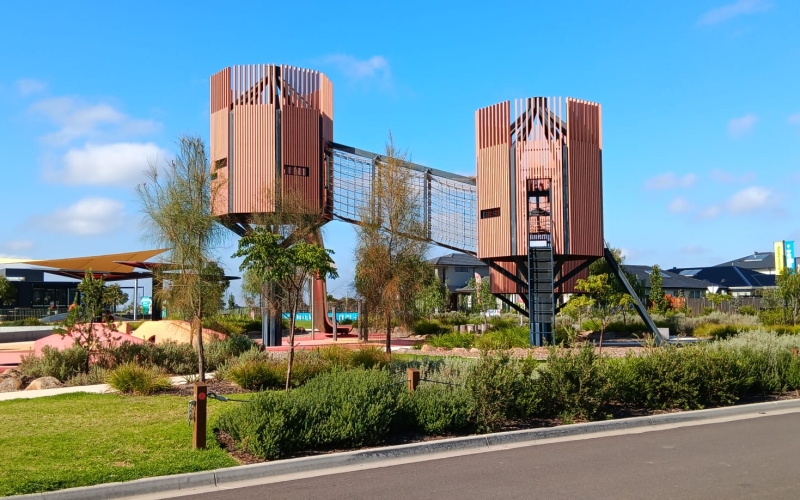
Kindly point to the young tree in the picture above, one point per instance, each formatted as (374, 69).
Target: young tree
(114, 296)
(717, 299)
(660, 301)
(577, 308)
(390, 250)
(231, 302)
(481, 297)
(7, 291)
(85, 323)
(433, 298)
(268, 258)
(602, 299)
(177, 206)
(789, 290)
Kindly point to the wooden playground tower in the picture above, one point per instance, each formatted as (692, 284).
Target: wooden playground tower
(533, 213)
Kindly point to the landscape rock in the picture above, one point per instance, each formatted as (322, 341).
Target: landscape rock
(428, 348)
(44, 383)
(460, 351)
(12, 373)
(11, 384)
(475, 350)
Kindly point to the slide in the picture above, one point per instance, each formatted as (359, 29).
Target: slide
(321, 321)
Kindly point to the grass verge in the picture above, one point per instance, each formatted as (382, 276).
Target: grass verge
(83, 439)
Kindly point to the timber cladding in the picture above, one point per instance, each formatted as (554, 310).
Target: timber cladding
(269, 124)
(550, 142)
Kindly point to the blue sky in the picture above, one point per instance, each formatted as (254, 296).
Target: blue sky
(700, 100)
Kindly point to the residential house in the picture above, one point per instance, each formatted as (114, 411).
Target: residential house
(672, 283)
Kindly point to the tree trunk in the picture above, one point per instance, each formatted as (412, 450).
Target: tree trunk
(291, 344)
(602, 331)
(388, 334)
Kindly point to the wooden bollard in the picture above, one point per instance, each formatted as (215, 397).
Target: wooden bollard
(413, 379)
(794, 352)
(200, 414)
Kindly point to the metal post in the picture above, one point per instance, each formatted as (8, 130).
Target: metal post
(360, 320)
(335, 326)
(135, 298)
(312, 307)
(200, 414)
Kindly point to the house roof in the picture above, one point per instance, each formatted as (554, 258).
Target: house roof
(670, 280)
(457, 259)
(729, 276)
(756, 260)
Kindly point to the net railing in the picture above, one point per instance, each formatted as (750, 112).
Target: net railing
(447, 203)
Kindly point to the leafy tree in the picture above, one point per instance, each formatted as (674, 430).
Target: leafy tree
(789, 290)
(7, 291)
(481, 297)
(390, 250)
(657, 296)
(231, 302)
(114, 296)
(717, 298)
(289, 267)
(603, 299)
(177, 206)
(434, 297)
(85, 323)
(600, 266)
(578, 307)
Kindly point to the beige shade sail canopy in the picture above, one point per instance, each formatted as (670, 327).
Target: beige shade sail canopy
(111, 264)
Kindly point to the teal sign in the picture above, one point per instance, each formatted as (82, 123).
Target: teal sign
(146, 302)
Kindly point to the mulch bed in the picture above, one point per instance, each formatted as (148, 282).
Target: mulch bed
(216, 386)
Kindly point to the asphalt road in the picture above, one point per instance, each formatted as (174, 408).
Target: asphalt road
(755, 458)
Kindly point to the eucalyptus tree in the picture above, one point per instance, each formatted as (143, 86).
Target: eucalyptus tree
(177, 206)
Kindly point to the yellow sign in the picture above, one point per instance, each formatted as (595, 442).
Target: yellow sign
(780, 260)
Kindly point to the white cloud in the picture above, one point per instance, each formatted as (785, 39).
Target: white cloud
(736, 9)
(679, 205)
(748, 200)
(360, 69)
(729, 178)
(28, 86)
(18, 245)
(670, 181)
(88, 217)
(711, 212)
(739, 127)
(78, 120)
(121, 164)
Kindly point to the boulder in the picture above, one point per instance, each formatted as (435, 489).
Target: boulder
(428, 348)
(44, 383)
(460, 351)
(474, 350)
(12, 373)
(11, 384)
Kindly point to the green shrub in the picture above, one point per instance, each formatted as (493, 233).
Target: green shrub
(346, 321)
(718, 331)
(572, 384)
(453, 318)
(232, 324)
(440, 409)
(131, 378)
(708, 310)
(61, 364)
(565, 335)
(341, 409)
(786, 330)
(430, 328)
(500, 322)
(502, 391)
(96, 375)
(452, 340)
(506, 338)
(256, 375)
(218, 352)
(369, 357)
(337, 355)
(24, 322)
(748, 310)
(590, 325)
(178, 359)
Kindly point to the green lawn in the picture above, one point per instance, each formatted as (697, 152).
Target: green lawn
(84, 439)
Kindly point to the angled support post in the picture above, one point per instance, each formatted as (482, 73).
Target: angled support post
(648, 321)
(512, 305)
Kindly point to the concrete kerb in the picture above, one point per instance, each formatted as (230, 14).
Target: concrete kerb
(488, 442)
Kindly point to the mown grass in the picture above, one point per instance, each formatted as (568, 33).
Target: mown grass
(82, 439)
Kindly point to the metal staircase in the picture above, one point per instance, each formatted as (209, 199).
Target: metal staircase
(541, 307)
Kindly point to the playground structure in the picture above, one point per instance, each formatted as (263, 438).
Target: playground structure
(533, 212)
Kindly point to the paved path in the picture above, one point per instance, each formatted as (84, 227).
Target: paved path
(743, 459)
(95, 389)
